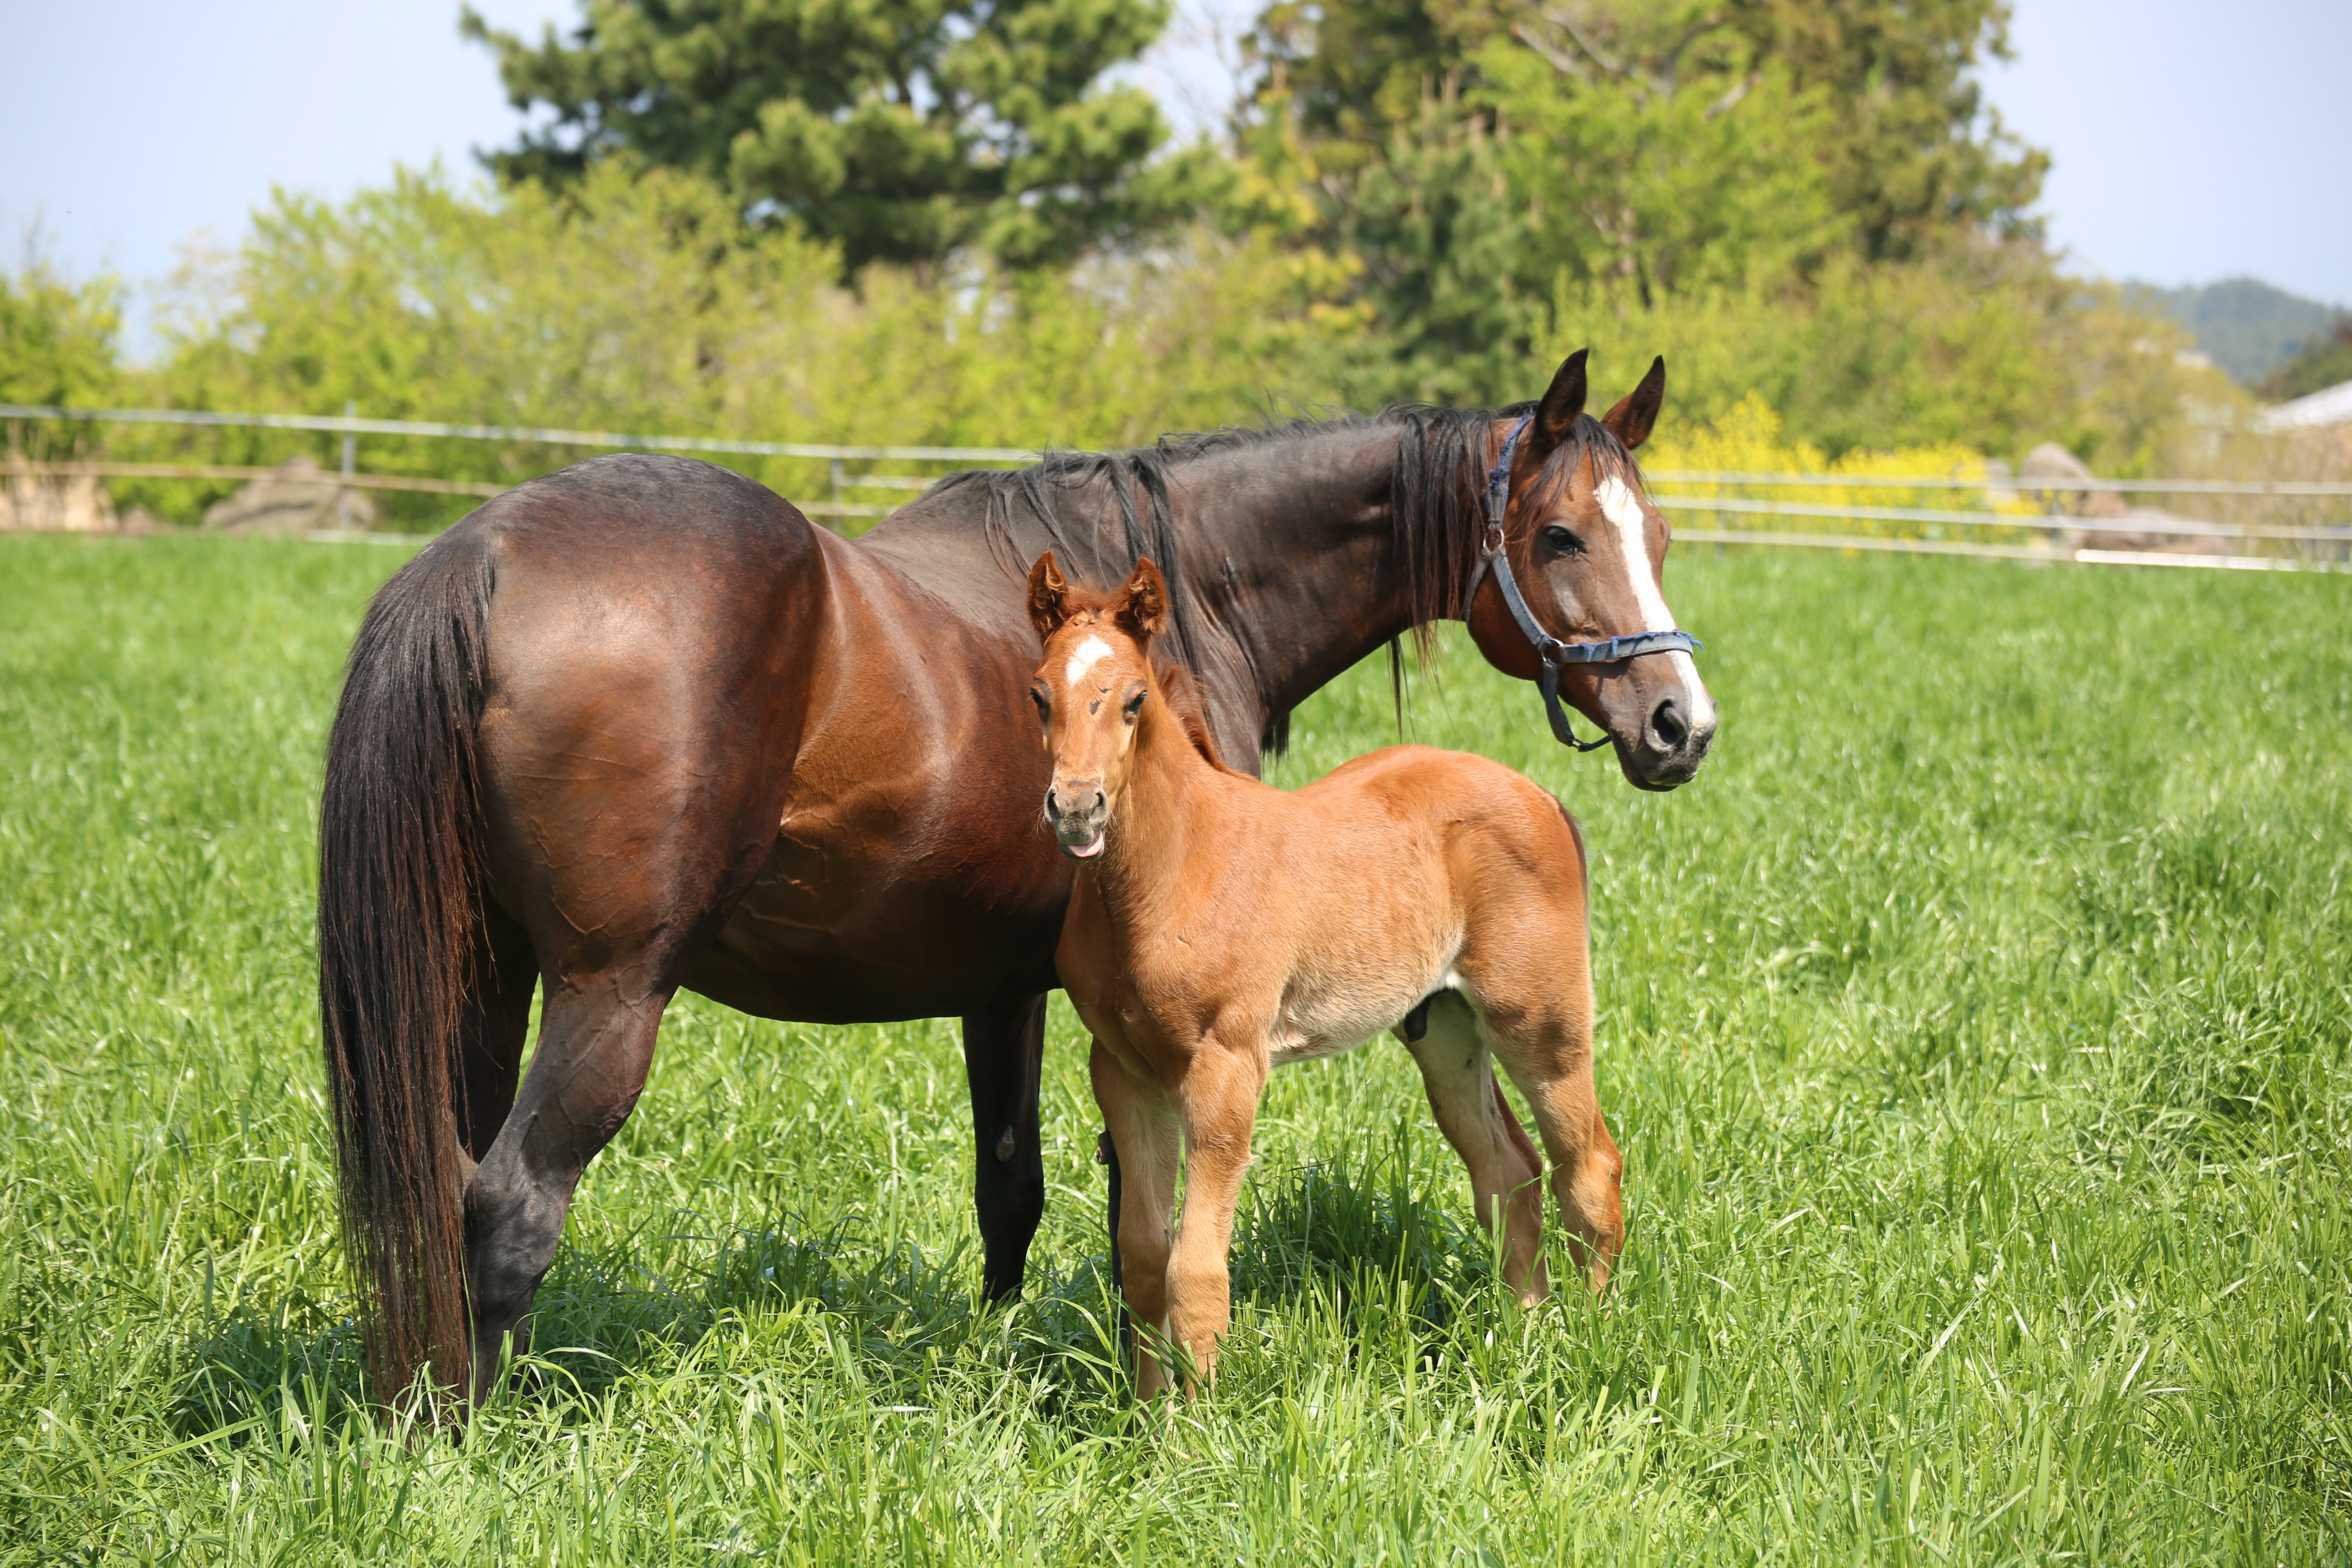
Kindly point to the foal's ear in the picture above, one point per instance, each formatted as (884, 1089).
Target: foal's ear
(1144, 603)
(1049, 596)
(1632, 420)
(1556, 415)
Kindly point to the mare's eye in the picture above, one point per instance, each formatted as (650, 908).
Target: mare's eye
(1562, 541)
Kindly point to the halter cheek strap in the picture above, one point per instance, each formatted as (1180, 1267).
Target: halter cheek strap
(1555, 653)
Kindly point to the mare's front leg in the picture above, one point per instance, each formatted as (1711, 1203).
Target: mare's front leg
(1221, 1089)
(1145, 1137)
(1003, 1052)
(1505, 1177)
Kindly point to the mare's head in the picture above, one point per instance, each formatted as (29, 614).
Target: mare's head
(1590, 551)
(1090, 691)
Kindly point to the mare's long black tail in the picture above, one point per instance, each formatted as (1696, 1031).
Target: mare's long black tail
(399, 889)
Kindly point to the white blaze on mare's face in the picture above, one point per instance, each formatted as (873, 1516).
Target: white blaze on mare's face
(1623, 508)
(1091, 652)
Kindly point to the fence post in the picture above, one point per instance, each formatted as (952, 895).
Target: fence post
(350, 458)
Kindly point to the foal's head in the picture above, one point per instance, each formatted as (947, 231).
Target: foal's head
(1090, 692)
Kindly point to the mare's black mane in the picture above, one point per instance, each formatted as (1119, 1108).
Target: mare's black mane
(1086, 505)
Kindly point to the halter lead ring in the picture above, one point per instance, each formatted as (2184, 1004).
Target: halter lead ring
(1555, 653)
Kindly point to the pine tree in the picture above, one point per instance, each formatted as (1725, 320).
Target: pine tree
(903, 130)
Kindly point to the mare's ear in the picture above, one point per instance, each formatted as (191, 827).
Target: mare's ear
(1632, 420)
(1556, 415)
(1049, 596)
(1144, 603)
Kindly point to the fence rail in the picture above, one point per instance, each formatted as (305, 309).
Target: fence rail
(2024, 486)
(2084, 557)
(9, 469)
(2050, 523)
(352, 426)
(2185, 527)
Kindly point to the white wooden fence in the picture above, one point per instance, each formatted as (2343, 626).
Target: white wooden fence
(2059, 536)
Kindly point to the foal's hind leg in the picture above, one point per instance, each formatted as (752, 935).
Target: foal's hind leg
(1548, 1051)
(1505, 1174)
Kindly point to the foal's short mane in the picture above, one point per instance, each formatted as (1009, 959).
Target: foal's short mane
(1436, 509)
(1181, 691)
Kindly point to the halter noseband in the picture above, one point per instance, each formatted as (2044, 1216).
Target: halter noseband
(1493, 557)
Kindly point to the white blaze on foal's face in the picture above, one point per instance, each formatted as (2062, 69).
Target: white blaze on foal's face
(1084, 659)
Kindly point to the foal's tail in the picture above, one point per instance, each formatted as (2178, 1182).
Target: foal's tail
(399, 884)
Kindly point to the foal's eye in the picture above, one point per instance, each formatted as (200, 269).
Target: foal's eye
(1134, 706)
(1562, 542)
(1044, 708)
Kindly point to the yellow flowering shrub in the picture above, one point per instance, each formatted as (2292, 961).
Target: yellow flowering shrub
(1726, 458)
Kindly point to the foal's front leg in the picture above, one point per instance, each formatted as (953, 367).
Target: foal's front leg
(1221, 1094)
(1144, 1137)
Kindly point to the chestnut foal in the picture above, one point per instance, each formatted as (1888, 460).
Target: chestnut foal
(1221, 927)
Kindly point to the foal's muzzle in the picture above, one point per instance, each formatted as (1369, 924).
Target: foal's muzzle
(1077, 812)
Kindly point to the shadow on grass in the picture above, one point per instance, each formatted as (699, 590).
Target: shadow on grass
(1350, 1238)
(602, 1318)
(1354, 1236)
(253, 1359)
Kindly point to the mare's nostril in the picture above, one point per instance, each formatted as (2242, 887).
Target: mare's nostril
(1666, 723)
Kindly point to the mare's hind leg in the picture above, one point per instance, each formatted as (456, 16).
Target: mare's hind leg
(621, 848)
(595, 1046)
(1505, 1174)
(1001, 1053)
(498, 1020)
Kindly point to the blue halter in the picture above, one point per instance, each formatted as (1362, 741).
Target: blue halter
(1555, 653)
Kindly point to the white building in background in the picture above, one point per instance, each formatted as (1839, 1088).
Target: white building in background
(2329, 405)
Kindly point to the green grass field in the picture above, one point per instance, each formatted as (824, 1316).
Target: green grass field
(1976, 1029)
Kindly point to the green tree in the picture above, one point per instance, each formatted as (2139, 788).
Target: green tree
(1437, 240)
(638, 299)
(2324, 362)
(58, 345)
(58, 339)
(1893, 122)
(1642, 158)
(900, 130)
(1659, 147)
(1913, 154)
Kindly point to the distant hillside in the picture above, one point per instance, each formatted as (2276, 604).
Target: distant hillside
(2250, 328)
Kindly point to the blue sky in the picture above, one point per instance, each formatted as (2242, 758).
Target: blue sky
(2193, 144)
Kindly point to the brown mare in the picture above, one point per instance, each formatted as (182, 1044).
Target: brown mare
(637, 725)
(1220, 927)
